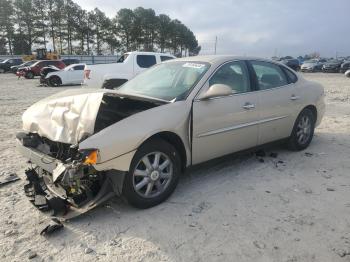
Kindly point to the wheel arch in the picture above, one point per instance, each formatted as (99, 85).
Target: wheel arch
(176, 141)
(313, 109)
(56, 76)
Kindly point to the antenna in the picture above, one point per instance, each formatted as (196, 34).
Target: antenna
(216, 42)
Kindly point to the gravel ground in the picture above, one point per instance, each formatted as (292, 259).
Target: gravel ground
(295, 207)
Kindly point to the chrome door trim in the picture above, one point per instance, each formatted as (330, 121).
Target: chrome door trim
(227, 129)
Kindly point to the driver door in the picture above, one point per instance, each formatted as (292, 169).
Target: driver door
(223, 125)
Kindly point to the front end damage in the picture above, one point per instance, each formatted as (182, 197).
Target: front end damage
(64, 179)
(60, 186)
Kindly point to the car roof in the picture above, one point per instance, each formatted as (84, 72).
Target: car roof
(149, 53)
(213, 59)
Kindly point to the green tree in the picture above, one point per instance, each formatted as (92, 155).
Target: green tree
(6, 25)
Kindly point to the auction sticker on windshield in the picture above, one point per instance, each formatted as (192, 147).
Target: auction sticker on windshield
(193, 65)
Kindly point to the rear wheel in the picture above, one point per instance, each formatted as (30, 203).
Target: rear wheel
(55, 81)
(303, 131)
(153, 175)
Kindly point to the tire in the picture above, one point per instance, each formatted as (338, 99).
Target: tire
(55, 81)
(29, 75)
(141, 183)
(303, 131)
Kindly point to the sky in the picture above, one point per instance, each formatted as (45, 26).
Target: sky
(254, 27)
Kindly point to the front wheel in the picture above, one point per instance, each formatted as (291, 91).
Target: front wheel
(55, 81)
(153, 174)
(303, 131)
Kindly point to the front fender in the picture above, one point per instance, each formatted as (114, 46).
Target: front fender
(124, 137)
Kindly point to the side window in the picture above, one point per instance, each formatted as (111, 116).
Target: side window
(292, 78)
(234, 75)
(79, 67)
(269, 75)
(146, 61)
(165, 58)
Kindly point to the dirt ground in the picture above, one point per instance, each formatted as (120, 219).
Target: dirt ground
(295, 207)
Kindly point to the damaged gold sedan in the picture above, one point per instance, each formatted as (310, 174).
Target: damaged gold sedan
(86, 146)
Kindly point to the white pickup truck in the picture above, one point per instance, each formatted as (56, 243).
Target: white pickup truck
(129, 65)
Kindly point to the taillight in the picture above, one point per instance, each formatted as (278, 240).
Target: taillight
(87, 73)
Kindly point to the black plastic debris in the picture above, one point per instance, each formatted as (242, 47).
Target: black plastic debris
(260, 153)
(54, 226)
(308, 154)
(273, 155)
(7, 178)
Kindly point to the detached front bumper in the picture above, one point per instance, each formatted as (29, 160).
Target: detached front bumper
(51, 197)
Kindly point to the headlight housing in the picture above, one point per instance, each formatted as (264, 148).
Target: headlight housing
(90, 156)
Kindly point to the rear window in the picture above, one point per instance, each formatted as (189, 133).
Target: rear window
(146, 61)
(165, 58)
(269, 75)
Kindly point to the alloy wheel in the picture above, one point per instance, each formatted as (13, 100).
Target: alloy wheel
(152, 175)
(303, 130)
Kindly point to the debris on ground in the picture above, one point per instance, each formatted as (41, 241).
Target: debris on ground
(88, 250)
(330, 189)
(308, 154)
(273, 155)
(6, 178)
(32, 255)
(260, 153)
(326, 176)
(54, 226)
(259, 244)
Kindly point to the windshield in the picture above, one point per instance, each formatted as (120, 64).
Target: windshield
(166, 81)
(122, 58)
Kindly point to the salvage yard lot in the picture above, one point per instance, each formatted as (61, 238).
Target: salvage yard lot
(295, 207)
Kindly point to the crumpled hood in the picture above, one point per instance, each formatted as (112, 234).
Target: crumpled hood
(76, 114)
(65, 117)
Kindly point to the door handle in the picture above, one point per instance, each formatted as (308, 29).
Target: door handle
(248, 106)
(294, 97)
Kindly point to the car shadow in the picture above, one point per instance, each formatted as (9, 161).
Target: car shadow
(199, 190)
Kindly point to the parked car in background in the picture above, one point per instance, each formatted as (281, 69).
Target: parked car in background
(5, 65)
(137, 140)
(332, 66)
(14, 68)
(292, 63)
(345, 66)
(70, 61)
(70, 75)
(34, 70)
(45, 70)
(115, 74)
(313, 65)
(347, 73)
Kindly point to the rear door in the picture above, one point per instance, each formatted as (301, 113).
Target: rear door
(278, 99)
(227, 124)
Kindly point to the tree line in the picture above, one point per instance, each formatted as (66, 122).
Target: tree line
(25, 24)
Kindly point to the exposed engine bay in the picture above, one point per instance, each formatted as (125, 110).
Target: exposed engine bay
(62, 177)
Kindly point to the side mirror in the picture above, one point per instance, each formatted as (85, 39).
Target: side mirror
(217, 90)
